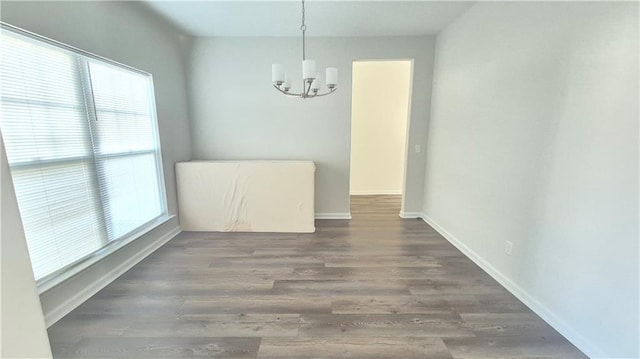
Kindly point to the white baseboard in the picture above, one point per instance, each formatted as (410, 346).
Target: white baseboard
(540, 309)
(339, 215)
(410, 214)
(55, 314)
(375, 192)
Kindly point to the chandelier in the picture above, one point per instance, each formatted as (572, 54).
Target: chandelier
(310, 79)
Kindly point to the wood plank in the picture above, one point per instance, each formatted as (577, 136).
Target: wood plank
(382, 261)
(339, 287)
(256, 304)
(212, 273)
(363, 273)
(512, 348)
(268, 261)
(507, 324)
(391, 305)
(216, 325)
(213, 286)
(238, 251)
(505, 303)
(77, 324)
(457, 285)
(144, 273)
(239, 240)
(167, 347)
(381, 325)
(353, 348)
(128, 304)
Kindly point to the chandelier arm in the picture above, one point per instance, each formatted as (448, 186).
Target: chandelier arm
(287, 93)
(307, 89)
(325, 94)
(305, 94)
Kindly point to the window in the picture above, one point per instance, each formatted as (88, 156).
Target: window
(82, 142)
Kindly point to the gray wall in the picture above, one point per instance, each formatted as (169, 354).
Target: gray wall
(236, 114)
(534, 140)
(24, 334)
(127, 33)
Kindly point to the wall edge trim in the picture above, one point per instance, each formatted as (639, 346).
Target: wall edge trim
(530, 301)
(408, 215)
(376, 192)
(74, 301)
(336, 215)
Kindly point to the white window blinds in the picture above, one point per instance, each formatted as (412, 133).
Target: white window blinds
(125, 148)
(82, 143)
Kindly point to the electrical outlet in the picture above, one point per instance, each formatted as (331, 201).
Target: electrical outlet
(508, 247)
(418, 148)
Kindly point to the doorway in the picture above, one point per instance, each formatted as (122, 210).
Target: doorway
(379, 123)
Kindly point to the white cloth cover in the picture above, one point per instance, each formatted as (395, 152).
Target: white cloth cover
(246, 196)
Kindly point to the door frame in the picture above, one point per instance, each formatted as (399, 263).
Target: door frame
(408, 127)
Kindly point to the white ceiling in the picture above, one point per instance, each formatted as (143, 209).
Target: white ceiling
(323, 18)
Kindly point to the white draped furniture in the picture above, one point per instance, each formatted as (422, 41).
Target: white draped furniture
(246, 196)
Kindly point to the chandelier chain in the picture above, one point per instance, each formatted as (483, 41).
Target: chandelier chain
(303, 27)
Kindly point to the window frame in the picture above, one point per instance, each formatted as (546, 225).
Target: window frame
(57, 277)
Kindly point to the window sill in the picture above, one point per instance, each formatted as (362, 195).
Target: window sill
(53, 280)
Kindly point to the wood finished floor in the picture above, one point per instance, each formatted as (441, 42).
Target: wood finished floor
(376, 286)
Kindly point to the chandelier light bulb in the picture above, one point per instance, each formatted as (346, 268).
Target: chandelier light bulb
(287, 83)
(308, 70)
(277, 74)
(332, 77)
(315, 85)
